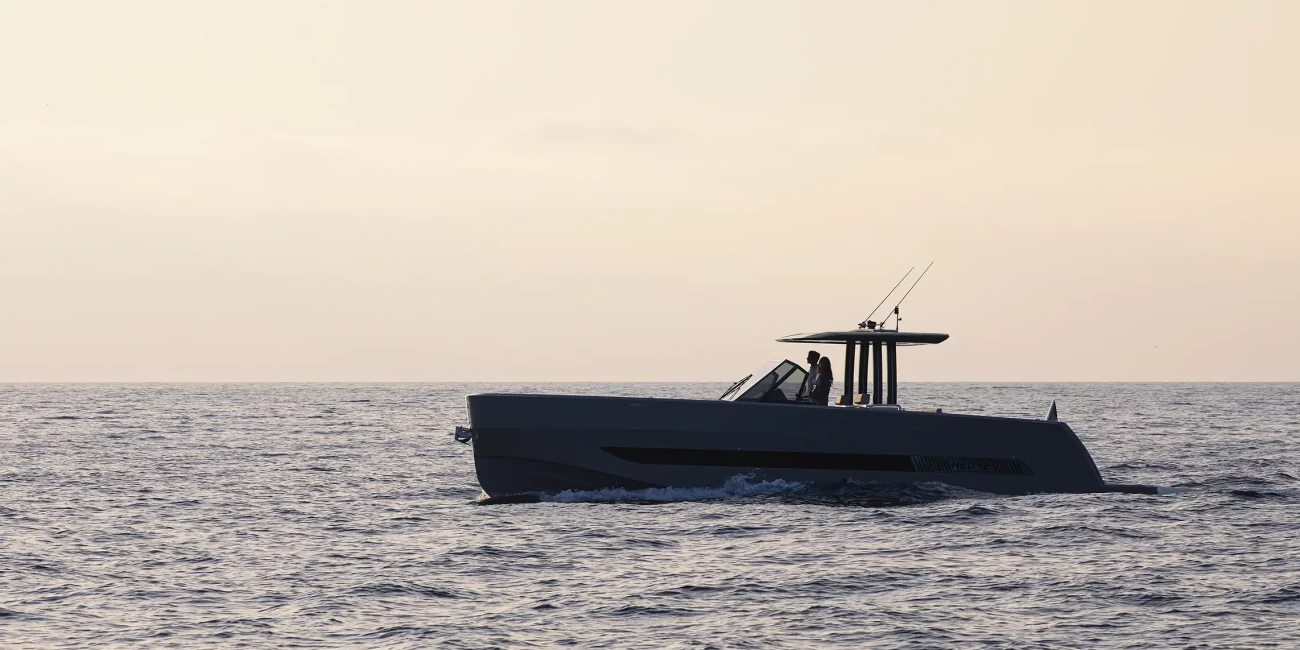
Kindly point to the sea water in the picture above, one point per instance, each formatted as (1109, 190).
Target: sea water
(344, 515)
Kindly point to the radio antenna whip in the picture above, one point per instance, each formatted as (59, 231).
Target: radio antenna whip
(909, 292)
(863, 324)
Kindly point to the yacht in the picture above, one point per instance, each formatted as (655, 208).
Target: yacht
(762, 428)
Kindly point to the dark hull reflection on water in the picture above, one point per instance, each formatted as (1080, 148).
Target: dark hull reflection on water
(272, 516)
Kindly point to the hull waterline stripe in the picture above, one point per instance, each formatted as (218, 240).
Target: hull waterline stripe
(818, 460)
(747, 458)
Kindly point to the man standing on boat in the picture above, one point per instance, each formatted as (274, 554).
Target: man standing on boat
(805, 391)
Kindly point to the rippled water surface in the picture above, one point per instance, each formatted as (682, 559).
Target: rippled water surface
(345, 516)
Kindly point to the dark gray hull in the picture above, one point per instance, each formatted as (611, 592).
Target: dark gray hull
(552, 443)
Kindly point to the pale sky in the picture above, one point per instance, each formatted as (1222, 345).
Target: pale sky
(557, 191)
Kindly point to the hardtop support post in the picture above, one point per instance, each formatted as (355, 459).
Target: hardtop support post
(862, 367)
(848, 372)
(877, 375)
(893, 372)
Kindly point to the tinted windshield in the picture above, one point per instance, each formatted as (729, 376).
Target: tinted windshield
(789, 387)
(770, 380)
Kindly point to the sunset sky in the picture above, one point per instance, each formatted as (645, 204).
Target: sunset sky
(565, 191)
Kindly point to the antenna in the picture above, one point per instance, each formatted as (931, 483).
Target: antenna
(897, 318)
(863, 324)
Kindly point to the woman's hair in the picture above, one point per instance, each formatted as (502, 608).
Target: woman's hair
(824, 368)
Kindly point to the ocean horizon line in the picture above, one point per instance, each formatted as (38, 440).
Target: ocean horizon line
(554, 382)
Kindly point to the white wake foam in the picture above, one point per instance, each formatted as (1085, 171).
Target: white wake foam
(736, 486)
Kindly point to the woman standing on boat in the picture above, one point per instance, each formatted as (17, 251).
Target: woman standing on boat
(821, 390)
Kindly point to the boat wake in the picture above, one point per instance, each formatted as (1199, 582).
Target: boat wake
(744, 487)
(739, 486)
